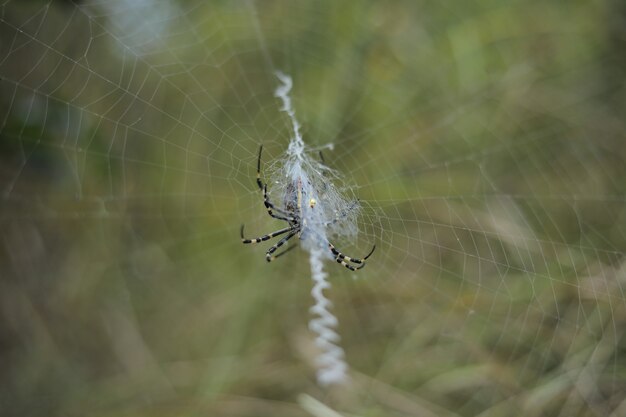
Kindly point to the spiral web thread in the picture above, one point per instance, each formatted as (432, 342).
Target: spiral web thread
(331, 363)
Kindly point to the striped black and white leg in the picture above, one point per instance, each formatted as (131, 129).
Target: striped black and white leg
(289, 248)
(269, 255)
(266, 237)
(272, 210)
(343, 259)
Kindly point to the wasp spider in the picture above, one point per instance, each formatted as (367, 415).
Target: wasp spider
(291, 212)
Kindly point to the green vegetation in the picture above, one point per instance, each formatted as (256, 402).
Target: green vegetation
(486, 141)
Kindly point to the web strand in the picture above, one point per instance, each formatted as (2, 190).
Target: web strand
(305, 181)
(488, 172)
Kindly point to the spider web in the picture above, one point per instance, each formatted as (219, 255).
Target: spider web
(484, 142)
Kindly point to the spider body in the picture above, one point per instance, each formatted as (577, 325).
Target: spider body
(292, 212)
(293, 198)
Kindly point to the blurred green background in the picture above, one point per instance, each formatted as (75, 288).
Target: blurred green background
(485, 140)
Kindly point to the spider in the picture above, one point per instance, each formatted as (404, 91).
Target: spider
(291, 213)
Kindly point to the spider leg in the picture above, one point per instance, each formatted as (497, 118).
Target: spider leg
(271, 208)
(291, 247)
(343, 259)
(340, 255)
(258, 169)
(350, 267)
(268, 254)
(265, 237)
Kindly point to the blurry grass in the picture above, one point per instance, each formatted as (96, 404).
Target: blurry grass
(486, 138)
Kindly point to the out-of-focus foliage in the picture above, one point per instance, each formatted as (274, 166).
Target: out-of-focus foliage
(486, 138)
